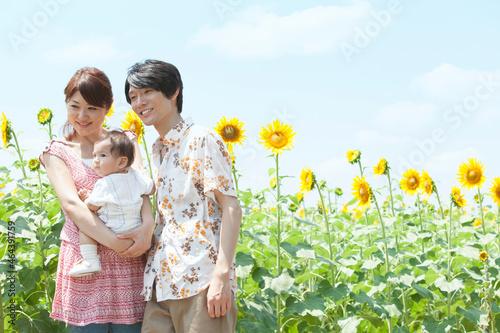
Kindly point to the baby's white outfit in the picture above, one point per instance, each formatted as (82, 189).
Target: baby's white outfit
(119, 196)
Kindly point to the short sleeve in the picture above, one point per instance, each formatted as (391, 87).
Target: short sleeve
(101, 193)
(217, 166)
(56, 148)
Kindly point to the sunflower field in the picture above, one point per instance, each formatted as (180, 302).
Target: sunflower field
(380, 263)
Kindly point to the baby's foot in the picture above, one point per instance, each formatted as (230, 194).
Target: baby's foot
(85, 267)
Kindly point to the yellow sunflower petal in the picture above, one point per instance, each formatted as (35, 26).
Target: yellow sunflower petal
(495, 190)
(6, 129)
(457, 198)
(362, 192)
(133, 123)
(231, 130)
(307, 180)
(410, 183)
(277, 137)
(380, 168)
(353, 156)
(426, 183)
(471, 174)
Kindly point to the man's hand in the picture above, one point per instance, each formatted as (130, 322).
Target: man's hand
(219, 297)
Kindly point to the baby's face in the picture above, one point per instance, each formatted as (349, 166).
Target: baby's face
(104, 163)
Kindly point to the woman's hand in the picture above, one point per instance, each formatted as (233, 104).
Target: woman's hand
(142, 242)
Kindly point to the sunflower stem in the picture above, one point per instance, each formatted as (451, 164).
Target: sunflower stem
(40, 242)
(390, 192)
(360, 167)
(327, 224)
(482, 212)
(421, 223)
(449, 257)
(392, 205)
(149, 169)
(18, 150)
(440, 206)
(387, 262)
(278, 234)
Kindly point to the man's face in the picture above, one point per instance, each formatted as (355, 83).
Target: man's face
(151, 106)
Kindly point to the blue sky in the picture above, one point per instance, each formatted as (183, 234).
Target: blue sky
(415, 82)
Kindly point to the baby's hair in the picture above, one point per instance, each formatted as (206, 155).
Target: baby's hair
(121, 145)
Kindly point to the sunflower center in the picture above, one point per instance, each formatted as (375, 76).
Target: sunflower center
(362, 192)
(497, 191)
(278, 139)
(473, 176)
(230, 133)
(427, 186)
(412, 183)
(133, 127)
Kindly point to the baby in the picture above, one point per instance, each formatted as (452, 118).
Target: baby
(116, 198)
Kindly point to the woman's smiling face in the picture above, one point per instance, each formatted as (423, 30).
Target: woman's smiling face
(86, 119)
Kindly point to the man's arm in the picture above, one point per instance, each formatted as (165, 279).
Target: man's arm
(219, 292)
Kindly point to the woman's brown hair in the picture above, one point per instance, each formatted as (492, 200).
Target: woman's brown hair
(95, 88)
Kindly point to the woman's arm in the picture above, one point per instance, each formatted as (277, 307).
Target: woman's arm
(64, 186)
(142, 235)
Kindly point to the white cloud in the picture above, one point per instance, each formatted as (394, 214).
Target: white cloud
(442, 163)
(447, 82)
(375, 137)
(406, 116)
(255, 32)
(88, 51)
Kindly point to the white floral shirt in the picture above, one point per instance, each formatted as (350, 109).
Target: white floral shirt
(191, 162)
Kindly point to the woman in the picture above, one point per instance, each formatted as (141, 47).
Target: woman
(111, 299)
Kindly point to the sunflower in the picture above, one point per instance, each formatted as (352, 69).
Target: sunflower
(133, 123)
(6, 130)
(307, 180)
(231, 130)
(495, 190)
(301, 213)
(381, 168)
(277, 137)
(110, 112)
(362, 192)
(344, 209)
(471, 174)
(426, 183)
(34, 164)
(353, 156)
(410, 183)
(293, 207)
(477, 223)
(273, 182)
(483, 256)
(320, 208)
(300, 196)
(44, 116)
(457, 198)
(338, 191)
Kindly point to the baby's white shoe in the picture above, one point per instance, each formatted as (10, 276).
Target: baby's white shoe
(85, 267)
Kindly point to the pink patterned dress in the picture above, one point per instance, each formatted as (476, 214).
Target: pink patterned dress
(111, 296)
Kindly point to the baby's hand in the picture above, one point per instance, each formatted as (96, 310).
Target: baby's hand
(83, 194)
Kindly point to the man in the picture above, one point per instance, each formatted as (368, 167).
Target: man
(190, 282)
